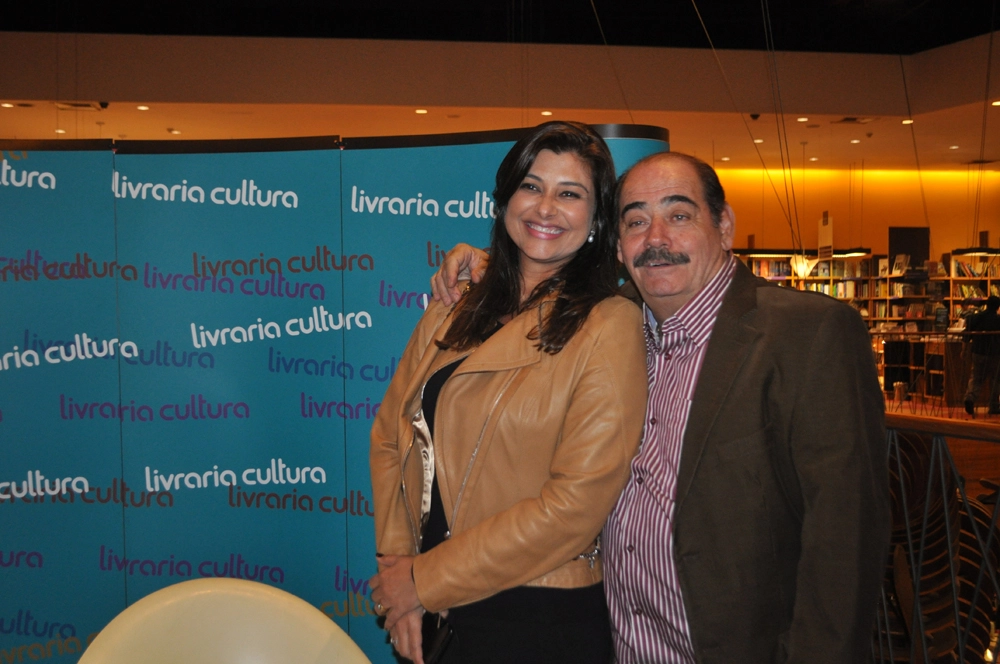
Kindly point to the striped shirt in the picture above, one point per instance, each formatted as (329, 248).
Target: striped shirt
(640, 575)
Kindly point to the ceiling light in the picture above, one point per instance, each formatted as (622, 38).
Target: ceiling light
(7, 105)
(803, 119)
(996, 103)
(953, 147)
(907, 121)
(143, 108)
(421, 111)
(725, 158)
(546, 113)
(855, 140)
(758, 140)
(60, 131)
(171, 130)
(813, 158)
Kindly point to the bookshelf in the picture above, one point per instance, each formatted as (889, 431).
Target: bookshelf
(974, 275)
(906, 300)
(845, 276)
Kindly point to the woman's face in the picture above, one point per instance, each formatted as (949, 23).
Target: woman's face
(550, 215)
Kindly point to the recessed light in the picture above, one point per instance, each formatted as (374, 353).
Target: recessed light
(143, 108)
(803, 119)
(60, 131)
(421, 111)
(725, 158)
(171, 130)
(996, 103)
(908, 121)
(758, 140)
(953, 147)
(813, 158)
(855, 140)
(546, 113)
(7, 105)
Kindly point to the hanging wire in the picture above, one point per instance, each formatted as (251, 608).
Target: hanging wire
(982, 137)
(611, 61)
(913, 136)
(732, 99)
(861, 221)
(852, 167)
(784, 150)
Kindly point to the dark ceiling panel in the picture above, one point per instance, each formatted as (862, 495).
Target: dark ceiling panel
(862, 26)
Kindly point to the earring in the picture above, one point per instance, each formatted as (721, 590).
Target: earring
(590, 238)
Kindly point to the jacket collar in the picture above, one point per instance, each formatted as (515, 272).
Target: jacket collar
(732, 338)
(508, 348)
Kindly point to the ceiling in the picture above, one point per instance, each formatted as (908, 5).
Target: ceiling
(847, 26)
(883, 142)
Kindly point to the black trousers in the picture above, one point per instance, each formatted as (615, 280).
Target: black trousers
(533, 625)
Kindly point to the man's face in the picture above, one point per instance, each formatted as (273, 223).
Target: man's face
(669, 243)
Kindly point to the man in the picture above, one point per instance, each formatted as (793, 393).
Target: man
(755, 523)
(985, 356)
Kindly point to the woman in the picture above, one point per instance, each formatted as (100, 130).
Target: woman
(533, 391)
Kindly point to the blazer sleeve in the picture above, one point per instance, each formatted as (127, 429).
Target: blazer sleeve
(837, 444)
(393, 535)
(601, 432)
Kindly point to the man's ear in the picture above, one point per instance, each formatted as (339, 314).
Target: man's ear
(727, 227)
(619, 245)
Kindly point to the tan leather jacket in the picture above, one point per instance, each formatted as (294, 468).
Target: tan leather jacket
(531, 450)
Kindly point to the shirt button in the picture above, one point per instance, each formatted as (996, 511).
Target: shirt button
(653, 421)
(667, 356)
(637, 611)
(630, 548)
(638, 479)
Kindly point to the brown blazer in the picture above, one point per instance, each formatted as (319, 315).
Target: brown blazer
(782, 516)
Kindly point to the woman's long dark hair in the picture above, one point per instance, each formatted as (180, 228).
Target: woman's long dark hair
(586, 279)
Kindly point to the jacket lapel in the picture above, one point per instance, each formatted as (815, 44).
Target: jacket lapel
(507, 348)
(728, 348)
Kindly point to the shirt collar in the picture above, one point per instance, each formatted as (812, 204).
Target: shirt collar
(697, 317)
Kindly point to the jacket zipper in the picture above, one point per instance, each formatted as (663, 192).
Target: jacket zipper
(414, 531)
(475, 453)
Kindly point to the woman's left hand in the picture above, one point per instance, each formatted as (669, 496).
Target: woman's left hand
(393, 588)
(407, 636)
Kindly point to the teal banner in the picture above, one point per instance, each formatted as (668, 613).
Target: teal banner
(195, 340)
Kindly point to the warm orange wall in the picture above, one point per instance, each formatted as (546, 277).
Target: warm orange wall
(891, 198)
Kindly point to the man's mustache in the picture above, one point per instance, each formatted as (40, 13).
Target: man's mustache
(660, 256)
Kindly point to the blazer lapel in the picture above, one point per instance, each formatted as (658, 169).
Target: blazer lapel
(728, 348)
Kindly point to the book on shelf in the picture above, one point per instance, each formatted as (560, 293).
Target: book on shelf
(901, 264)
(883, 267)
(968, 291)
(902, 290)
(966, 269)
(770, 268)
(845, 290)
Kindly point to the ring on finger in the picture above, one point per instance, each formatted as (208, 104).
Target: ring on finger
(379, 609)
(394, 641)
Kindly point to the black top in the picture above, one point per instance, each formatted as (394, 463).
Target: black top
(437, 523)
(984, 321)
